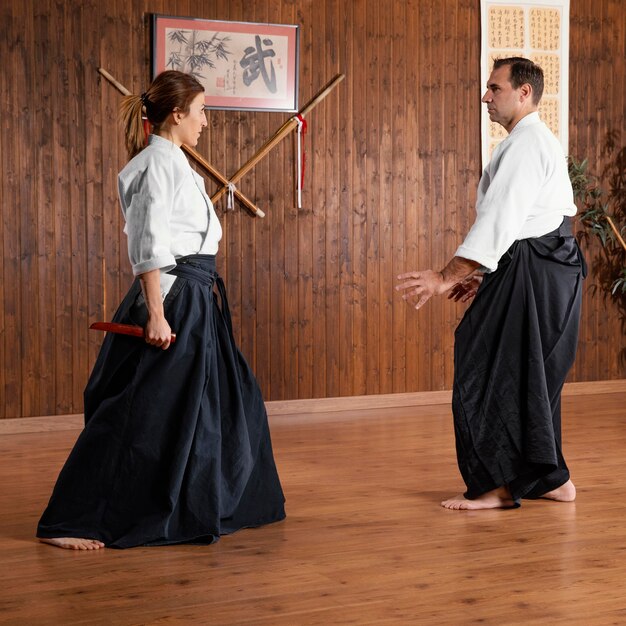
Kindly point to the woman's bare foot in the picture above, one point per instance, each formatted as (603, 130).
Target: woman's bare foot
(565, 493)
(74, 543)
(499, 498)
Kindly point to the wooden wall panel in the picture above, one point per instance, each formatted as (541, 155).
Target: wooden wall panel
(597, 110)
(10, 401)
(391, 174)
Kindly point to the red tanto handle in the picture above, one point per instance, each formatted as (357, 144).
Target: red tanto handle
(123, 329)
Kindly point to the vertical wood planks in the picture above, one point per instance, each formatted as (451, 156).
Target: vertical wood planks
(392, 167)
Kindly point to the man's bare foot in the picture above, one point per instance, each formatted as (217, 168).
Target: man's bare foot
(499, 498)
(565, 493)
(74, 543)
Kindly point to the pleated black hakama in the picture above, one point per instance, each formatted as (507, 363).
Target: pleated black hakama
(176, 446)
(513, 350)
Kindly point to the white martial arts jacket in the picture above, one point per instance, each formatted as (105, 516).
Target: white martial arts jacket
(524, 192)
(166, 208)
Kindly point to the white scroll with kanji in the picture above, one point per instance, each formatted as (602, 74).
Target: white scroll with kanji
(537, 30)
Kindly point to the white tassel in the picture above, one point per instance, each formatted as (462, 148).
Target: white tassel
(230, 202)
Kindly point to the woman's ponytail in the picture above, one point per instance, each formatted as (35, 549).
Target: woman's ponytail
(131, 114)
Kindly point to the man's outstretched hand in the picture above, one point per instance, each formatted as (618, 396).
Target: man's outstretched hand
(420, 287)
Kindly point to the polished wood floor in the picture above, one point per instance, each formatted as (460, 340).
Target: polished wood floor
(365, 541)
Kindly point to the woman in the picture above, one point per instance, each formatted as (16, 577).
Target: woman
(176, 445)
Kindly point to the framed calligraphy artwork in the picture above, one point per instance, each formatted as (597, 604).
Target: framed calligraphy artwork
(539, 31)
(242, 66)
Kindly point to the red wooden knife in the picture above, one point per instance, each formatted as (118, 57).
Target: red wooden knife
(123, 329)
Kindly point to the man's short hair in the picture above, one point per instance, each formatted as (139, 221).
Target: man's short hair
(523, 71)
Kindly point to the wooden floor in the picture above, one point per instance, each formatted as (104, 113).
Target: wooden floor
(365, 541)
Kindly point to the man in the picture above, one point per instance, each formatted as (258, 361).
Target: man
(517, 340)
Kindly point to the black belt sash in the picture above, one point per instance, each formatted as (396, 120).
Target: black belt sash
(201, 268)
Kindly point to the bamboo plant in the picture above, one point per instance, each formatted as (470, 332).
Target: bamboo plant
(603, 214)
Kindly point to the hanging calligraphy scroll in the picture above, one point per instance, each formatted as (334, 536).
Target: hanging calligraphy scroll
(539, 31)
(241, 65)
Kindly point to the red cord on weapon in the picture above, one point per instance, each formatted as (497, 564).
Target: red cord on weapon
(302, 126)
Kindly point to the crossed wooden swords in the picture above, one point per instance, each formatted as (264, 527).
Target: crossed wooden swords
(275, 139)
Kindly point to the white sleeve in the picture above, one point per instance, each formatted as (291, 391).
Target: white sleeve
(151, 196)
(504, 202)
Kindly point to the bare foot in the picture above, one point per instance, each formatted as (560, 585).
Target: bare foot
(74, 543)
(565, 493)
(499, 498)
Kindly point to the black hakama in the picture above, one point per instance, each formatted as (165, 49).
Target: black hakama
(176, 446)
(513, 350)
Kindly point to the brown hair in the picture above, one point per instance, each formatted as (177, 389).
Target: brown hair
(523, 71)
(170, 90)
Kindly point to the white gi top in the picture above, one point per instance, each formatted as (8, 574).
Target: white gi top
(524, 192)
(166, 208)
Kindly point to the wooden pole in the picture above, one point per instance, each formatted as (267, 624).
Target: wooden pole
(278, 136)
(255, 210)
(614, 228)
